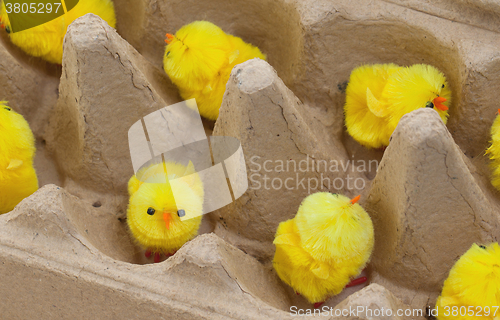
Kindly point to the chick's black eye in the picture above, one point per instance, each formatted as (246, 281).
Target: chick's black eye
(151, 211)
(168, 53)
(442, 86)
(181, 213)
(482, 247)
(429, 105)
(7, 108)
(7, 28)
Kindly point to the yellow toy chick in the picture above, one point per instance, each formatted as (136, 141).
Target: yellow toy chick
(329, 241)
(199, 59)
(18, 178)
(473, 285)
(378, 96)
(494, 152)
(46, 40)
(154, 215)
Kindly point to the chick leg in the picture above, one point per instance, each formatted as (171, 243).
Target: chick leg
(318, 304)
(356, 282)
(157, 257)
(148, 254)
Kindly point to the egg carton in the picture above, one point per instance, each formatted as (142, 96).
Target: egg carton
(66, 251)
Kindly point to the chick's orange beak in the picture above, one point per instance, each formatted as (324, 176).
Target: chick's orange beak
(438, 102)
(355, 199)
(166, 218)
(170, 37)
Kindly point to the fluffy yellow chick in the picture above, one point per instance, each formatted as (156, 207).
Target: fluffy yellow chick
(18, 179)
(494, 152)
(46, 40)
(199, 59)
(329, 241)
(153, 214)
(473, 285)
(378, 96)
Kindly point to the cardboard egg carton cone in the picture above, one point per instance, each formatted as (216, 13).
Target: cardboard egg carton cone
(427, 207)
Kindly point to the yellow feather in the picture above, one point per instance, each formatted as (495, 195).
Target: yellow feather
(328, 242)
(148, 189)
(362, 124)
(18, 178)
(374, 105)
(284, 239)
(473, 281)
(321, 271)
(199, 60)
(14, 164)
(46, 40)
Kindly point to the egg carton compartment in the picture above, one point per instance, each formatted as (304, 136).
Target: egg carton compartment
(66, 250)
